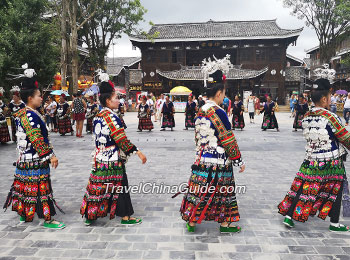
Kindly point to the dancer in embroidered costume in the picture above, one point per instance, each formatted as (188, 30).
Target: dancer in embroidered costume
(64, 116)
(237, 112)
(31, 191)
(300, 109)
(15, 105)
(211, 188)
(91, 112)
(318, 186)
(269, 119)
(106, 191)
(168, 111)
(190, 112)
(4, 129)
(144, 115)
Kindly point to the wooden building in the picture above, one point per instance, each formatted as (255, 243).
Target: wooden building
(257, 49)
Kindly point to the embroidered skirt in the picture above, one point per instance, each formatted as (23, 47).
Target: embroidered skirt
(65, 126)
(314, 189)
(4, 133)
(297, 121)
(269, 122)
(217, 202)
(145, 124)
(31, 191)
(238, 121)
(168, 121)
(189, 120)
(105, 192)
(89, 124)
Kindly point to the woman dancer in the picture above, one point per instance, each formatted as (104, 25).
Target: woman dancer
(211, 187)
(31, 191)
(318, 185)
(106, 191)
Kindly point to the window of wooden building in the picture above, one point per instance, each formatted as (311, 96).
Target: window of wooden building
(275, 54)
(151, 57)
(246, 55)
(163, 56)
(260, 54)
(174, 57)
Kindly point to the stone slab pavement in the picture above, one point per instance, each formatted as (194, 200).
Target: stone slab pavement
(272, 159)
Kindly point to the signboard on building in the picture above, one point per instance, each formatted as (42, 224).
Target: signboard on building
(135, 87)
(152, 85)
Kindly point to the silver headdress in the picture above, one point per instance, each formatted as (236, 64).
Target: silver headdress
(29, 73)
(15, 89)
(1, 91)
(210, 67)
(104, 77)
(325, 73)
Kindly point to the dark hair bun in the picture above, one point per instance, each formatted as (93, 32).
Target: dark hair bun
(217, 76)
(106, 88)
(322, 85)
(29, 83)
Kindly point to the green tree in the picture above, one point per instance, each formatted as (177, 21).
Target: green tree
(27, 36)
(112, 19)
(328, 18)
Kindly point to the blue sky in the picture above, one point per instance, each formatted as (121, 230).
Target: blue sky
(179, 11)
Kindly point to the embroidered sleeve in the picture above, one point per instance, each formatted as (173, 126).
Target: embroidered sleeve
(34, 135)
(225, 135)
(340, 131)
(119, 136)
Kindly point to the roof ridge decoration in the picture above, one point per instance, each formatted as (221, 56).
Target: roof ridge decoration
(210, 67)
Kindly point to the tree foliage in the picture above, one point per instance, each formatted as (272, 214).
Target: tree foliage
(329, 18)
(26, 36)
(112, 19)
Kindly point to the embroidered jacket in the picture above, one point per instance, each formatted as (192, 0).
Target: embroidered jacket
(14, 108)
(215, 141)
(268, 108)
(33, 137)
(91, 110)
(325, 135)
(110, 139)
(63, 110)
(143, 110)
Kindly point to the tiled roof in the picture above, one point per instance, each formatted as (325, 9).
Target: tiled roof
(213, 30)
(289, 56)
(115, 66)
(294, 73)
(195, 73)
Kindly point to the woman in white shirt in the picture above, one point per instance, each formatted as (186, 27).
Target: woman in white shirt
(251, 108)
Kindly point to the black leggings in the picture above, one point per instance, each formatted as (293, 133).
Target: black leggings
(334, 213)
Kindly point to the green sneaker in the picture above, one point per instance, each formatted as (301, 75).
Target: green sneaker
(190, 228)
(341, 228)
(229, 229)
(51, 225)
(135, 221)
(88, 222)
(22, 219)
(288, 222)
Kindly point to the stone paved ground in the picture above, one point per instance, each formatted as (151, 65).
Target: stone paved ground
(272, 160)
